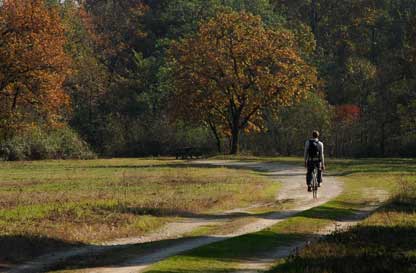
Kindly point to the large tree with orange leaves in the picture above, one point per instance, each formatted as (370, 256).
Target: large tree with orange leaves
(234, 69)
(33, 64)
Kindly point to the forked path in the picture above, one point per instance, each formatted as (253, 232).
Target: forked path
(293, 188)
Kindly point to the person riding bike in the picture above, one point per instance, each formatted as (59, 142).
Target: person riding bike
(314, 158)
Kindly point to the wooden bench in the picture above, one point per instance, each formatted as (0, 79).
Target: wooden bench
(188, 153)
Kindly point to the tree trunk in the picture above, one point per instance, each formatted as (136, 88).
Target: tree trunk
(382, 140)
(218, 142)
(216, 135)
(235, 141)
(314, 18)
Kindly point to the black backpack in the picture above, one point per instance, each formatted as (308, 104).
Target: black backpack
(313, 150)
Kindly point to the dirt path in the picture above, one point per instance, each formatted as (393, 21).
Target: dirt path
(293, 188)
(267, 260)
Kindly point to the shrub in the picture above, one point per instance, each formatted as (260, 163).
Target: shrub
(38, 144)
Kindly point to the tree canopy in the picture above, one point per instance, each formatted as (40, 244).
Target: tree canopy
(33, 64)
(233, 69)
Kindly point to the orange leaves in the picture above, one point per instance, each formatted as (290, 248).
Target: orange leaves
(234, 68)
(34, 64)
(347, 113)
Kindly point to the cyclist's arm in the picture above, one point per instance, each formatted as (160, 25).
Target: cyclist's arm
(322, 155)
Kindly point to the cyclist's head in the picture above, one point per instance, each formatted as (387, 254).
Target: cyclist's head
(315, 134)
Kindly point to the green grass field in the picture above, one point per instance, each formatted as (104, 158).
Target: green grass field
(49, 205)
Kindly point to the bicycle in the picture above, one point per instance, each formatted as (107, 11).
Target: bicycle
(315, 182)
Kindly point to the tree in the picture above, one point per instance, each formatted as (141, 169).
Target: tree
(365, 56)
(261, 8)
(33, 64)
(118, 25)
(234, 68)
(88, 83)
(346, 118)
(295, 124)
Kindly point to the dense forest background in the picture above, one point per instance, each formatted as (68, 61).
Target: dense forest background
(79, 78)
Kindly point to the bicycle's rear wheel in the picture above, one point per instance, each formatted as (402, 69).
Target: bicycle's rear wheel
(314, 184)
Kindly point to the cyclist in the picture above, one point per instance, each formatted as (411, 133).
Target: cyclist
(314, 158)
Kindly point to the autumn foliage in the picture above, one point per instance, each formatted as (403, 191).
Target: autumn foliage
(234, 69)
(33, 64)
(136, 77)
(347, 113)
(115, 27)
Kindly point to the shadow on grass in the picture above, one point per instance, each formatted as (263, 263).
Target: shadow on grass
(361, 249)
(403, 204)
(222, 249)
(340, 211)
(388, 246)
(373, 166)
(19, 248)
(159, 166)
(350, 264)
(109, 256)
(241, 165)
(26, 254)
(330, 213)
(335, 211)
(219, 270)
(167, 212)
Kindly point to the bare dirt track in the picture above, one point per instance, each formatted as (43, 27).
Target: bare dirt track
(293, 188)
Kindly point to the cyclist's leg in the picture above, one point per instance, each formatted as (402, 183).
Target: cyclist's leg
(309, 173)
(319, 175)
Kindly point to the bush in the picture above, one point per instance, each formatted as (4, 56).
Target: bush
(39, 144)
(289, 128)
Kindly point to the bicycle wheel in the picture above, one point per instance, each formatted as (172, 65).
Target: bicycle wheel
(314, 184)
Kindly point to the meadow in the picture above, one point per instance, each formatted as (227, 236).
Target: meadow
(387, 237)
(51, 205)
(384, 242)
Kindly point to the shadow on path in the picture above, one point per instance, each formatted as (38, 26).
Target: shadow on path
(224, 248)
